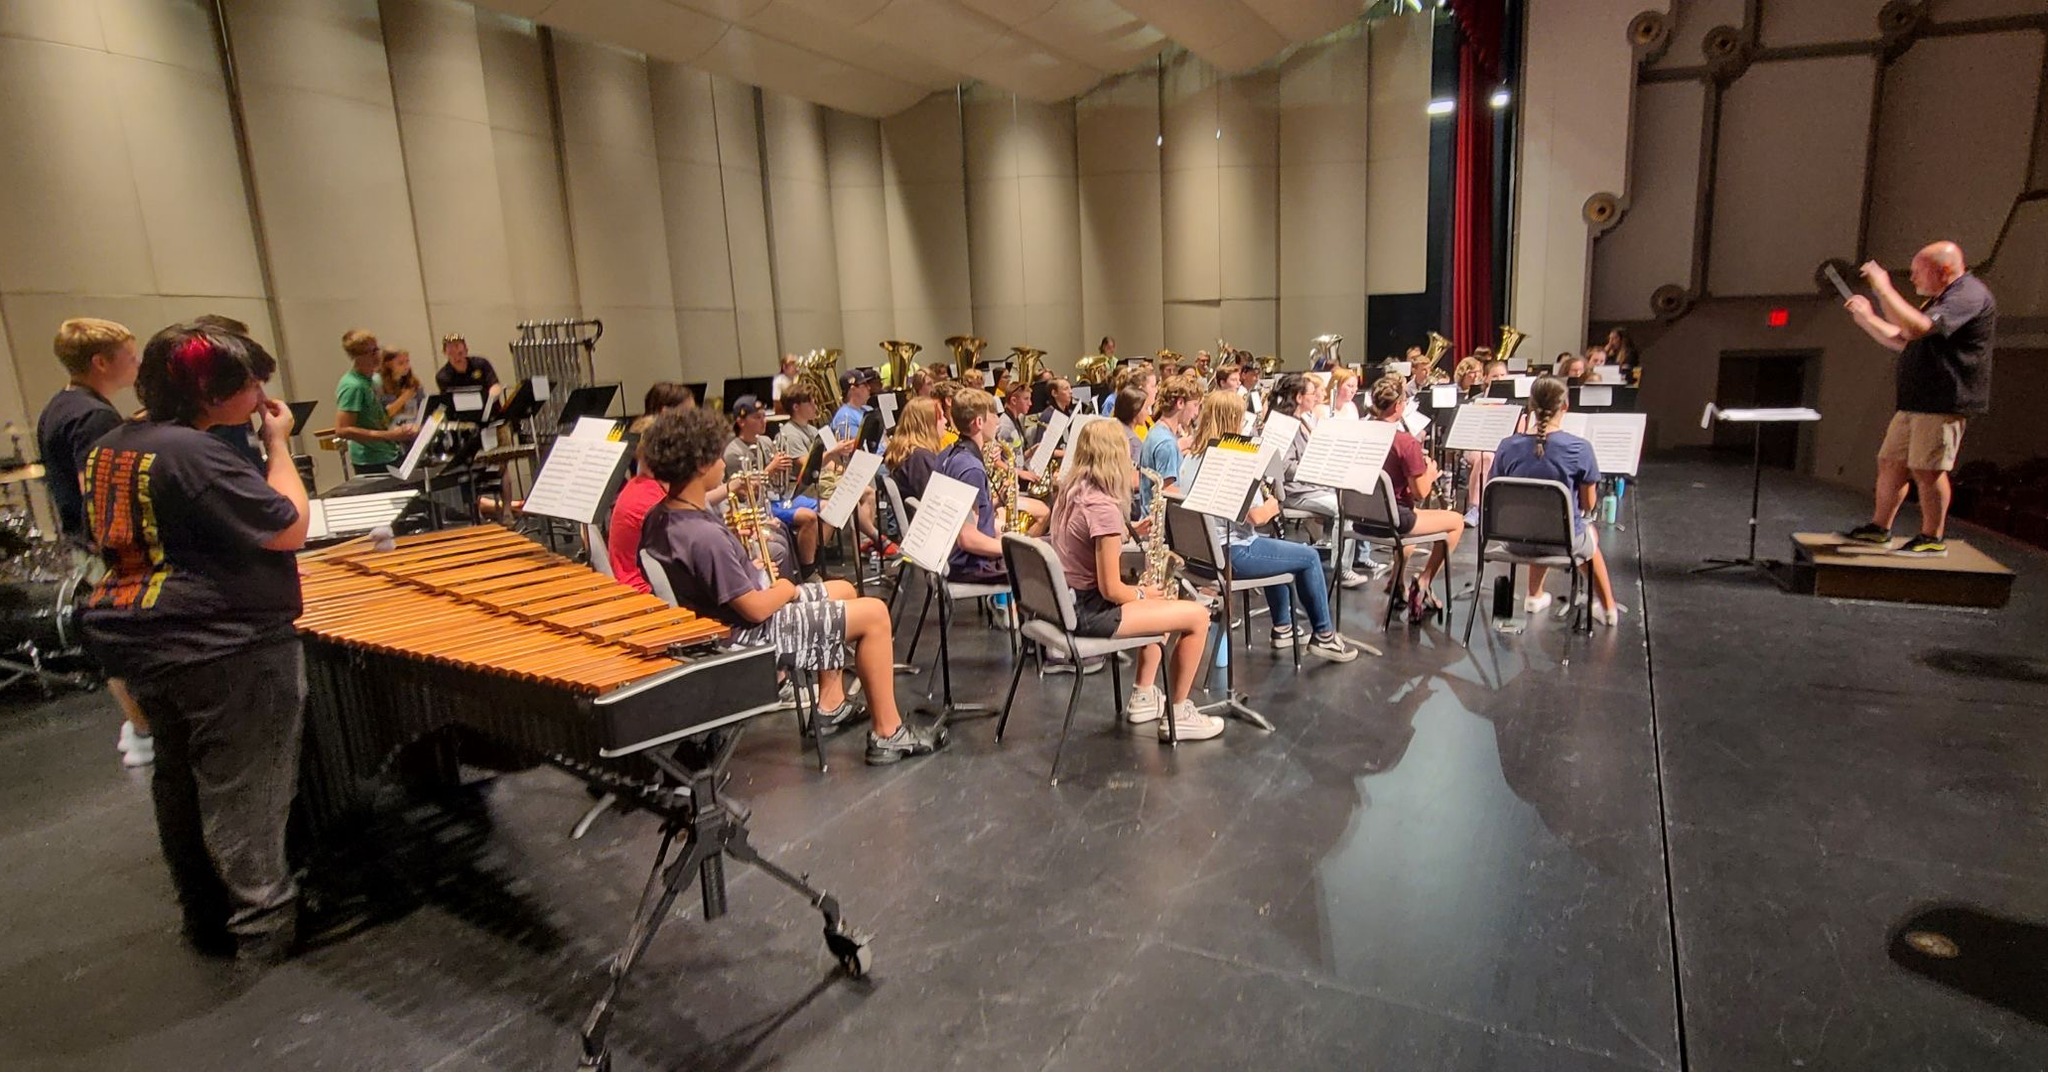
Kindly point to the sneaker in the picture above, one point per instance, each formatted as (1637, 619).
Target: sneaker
(1608, 616)
(1146, 703)
(1472, 518)
(1870, 533)
(1352, 579)
(1371, 566)
(908, 741)
(1924, 547)
(140, 751)
(1283, 637)
(1534, 605)
(1330, 648)
(1189, 724)
(833, 720)
(127, 739)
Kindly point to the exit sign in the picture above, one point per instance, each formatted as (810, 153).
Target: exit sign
(1779, 317)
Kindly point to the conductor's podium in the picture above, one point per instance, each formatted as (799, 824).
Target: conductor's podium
(1828, 564)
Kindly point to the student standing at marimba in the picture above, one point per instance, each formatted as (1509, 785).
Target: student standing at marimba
(196, 613)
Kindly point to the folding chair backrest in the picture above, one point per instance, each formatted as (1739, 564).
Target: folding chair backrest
(1376, 511)
(657, 578)
(895, 493)
(1190, 536)
(1039, 581)
(600, 553)
(1523, 510)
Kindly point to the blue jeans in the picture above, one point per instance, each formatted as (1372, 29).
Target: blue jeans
(1264, 557)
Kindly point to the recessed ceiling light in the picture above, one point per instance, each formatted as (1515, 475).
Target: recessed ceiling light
(1442, 106)
(1500, 98)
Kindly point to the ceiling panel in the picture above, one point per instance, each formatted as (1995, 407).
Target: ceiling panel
(875, 57)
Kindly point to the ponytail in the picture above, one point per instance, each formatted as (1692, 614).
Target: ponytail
(1546, 401)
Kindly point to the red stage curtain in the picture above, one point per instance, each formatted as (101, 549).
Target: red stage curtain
(1472, 313)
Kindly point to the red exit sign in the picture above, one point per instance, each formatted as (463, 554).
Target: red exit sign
(1779, 317)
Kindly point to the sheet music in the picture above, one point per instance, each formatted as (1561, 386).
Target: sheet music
(316, 520)
(1518, 365)
(1596, 396)
(1346, 454)
(1481, 428)
(1275, 438)
(1522, 386)
(858, 478)
(592, 428)
(1415, 421)
(348, 515)
(1055, 428)
(936, 525)
(420, 442)
(1443, 396)
(1223, 484)
(575, 478)
(826, 437)
(540, 389)
(988, 378)
(467, 400)
(1617, 441)
(888, 403)
(1608, 374)
(1577, 424)
(1084, 392)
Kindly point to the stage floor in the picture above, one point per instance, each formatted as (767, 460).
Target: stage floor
(1689, 846)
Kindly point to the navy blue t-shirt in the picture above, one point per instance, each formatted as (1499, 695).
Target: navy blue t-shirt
(71, 423)
(963, 463)
(1566, 459)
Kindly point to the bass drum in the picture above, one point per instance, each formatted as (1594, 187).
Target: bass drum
(41, 613)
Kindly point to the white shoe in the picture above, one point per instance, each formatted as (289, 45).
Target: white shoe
(1283, 638)
(1332, 648)
(1608, 617)
(141, 751)
(1190, 725)
(127, 739)
(1352, 579)
(1145, 704)
(1534, 605)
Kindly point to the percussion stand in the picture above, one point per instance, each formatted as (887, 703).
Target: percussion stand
(15, 670)
(713, 827)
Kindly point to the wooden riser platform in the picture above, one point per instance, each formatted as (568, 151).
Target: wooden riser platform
(1823, 564)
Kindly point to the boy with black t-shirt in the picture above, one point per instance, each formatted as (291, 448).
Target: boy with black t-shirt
(101, 357)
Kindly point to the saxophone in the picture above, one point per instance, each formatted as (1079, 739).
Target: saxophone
(1162, 566)
(746, 514)
(1002, 481)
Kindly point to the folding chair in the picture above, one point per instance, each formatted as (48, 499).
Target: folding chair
(1523, 513)
(1045, 607)
(1191, 537)
(1378, 514)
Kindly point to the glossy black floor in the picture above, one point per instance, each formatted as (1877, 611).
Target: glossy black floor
(1691, 844)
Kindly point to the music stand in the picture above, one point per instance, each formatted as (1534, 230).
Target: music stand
(300, 412)
(1756, 418)
(584, 402)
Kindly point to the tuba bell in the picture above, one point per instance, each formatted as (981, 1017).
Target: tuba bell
(1269, 364)
(1438, 347)
(1509, 340)
(819, 372)
(1095, 369)
(966, 352)
(1028, 360)
(897, 369)
(1323, 352)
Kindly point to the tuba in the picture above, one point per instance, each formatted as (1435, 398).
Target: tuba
(897, 369)
(1509, 340)
(818, 371)
(1323, 353)
(1028, 359)
(1438, 347)
(966, 352)
(1269, 365)
(1095, 369)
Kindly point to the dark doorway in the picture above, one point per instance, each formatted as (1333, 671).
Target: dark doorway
(1764, 378)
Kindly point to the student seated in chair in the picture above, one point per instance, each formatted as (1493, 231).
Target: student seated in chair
(1411, 474)
(811, 626)
(1088, 533)
(914, 445)
(978, 550)
(1544, 453)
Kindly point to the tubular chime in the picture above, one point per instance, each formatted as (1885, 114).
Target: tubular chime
(564, 351)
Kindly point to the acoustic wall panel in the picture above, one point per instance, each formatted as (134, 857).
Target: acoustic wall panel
(1652, 245)
(860, 236)
(1397, 222)
(1325, 185)
(1788, 187)
(925, 192)
(1117, 135)
(806, 273)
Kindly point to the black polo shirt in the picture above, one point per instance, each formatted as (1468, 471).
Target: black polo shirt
(479, 375)
(71, 423)
(1948, 370)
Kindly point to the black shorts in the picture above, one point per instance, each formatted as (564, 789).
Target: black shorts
(1404, 524)
(1095, 615)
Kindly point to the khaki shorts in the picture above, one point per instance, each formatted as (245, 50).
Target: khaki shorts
(1923, 441)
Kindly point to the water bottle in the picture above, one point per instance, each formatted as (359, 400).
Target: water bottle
(1001, 601)
(1610, 505)
(1223, 649)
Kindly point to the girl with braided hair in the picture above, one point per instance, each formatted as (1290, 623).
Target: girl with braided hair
(1411, 473)
(1547, 453)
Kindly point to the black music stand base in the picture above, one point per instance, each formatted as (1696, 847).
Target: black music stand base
(713, 828)
(1235, 701)
(1766, 568)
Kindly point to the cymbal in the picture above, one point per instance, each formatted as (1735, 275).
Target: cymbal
(30, 472)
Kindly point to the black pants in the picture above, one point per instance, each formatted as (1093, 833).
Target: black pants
(227, 766)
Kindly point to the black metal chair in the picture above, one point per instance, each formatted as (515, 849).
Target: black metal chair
(1375, 519)
(1045, 609)
(945, 591)
(1528, 522)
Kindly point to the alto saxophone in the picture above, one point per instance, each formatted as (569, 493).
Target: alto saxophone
(1162, 565)
(1002, 479)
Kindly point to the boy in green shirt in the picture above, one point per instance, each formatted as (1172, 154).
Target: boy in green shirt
(373, 445)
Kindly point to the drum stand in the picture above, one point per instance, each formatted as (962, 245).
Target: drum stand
(14, 669)
(713, 827)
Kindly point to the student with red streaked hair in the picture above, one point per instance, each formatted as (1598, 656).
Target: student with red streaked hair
(196, 613)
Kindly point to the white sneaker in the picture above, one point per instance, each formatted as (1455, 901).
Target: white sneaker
(1145, 704)
(1190, 725)
(141, 751)
(1283, 637)
(1609, 616)
(1352, 579)
(127, 739)
(1534, 605)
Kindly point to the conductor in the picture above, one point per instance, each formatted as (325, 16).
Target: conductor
(1943, 377)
